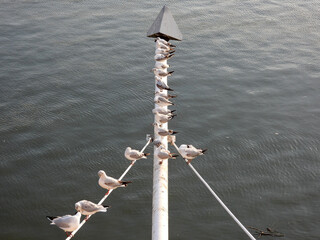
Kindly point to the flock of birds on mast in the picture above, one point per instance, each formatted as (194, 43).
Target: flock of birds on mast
(164, 51)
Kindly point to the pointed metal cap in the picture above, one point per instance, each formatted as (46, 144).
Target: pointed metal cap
(165, 27)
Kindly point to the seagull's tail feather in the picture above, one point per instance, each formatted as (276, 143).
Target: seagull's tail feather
(170, 56)
(50, 218)
(171, 45)
(204, 150)
(173, 155)
(173, 111)
(169, 89)
(146, 154)
(170, 73)
(105, 208)
(172, 96)
(125, 183)
(174, 132)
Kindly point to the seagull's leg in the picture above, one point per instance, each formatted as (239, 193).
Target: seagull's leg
(107, 193)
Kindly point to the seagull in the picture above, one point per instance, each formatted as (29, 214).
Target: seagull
(162, 57)
(161, 65)
(162, 110)
(161, 101)
(157, 142)
(133, 155)
(164, 42)
(109, 183)
(161, 73)
(167, 96)
(162, 85)
(163, 46)
(190, 152)
(67, 223)
(86, 207)
(162, 131)
(163, 154)
(163, 51)
(164, 118)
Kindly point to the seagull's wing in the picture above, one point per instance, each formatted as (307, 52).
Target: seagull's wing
(90, 206)
(135, 154)
(111, 181)
(63, 222)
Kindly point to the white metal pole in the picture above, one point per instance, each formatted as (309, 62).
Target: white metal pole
(160, 227)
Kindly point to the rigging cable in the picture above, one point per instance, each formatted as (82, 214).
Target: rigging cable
(216, 196)
(107, 194)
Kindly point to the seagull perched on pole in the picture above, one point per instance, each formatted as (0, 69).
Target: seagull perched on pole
(109, 183)
(161, 65)
(162, 57)
(164, 118)
(163, 51)
(161, 73)
(162, 85)
(86, 207)
(166, 96)
(162, 110)
(190, 152)
(163, 154)
(162, 131)
(164, 46)
(164, 42)
(67, 223)
(161, 101)
(157, 142)
(133, 155)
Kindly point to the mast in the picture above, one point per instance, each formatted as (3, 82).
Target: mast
(164, 27)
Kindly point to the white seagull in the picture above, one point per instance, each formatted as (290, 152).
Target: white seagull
(162, 102)
(190, 152)
(162, 131)
(133, 155)
(163, 154)
(163, 46)
(67, 223)
(161, 73)
(162, 57)
(108, 182)
(165, 95)
(161, 65)
(163, 51)
(162, 85)
(164, 42)
(86, 207)
(157, 142)
(162, 110)
(162, 118)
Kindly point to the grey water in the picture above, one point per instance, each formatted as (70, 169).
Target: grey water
(76, 90)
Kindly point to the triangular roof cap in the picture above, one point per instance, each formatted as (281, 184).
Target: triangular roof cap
(164, 26)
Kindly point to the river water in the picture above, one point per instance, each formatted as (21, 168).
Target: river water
(76, 90)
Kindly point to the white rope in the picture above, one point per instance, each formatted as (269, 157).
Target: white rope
(107, 194)
(216, 196)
